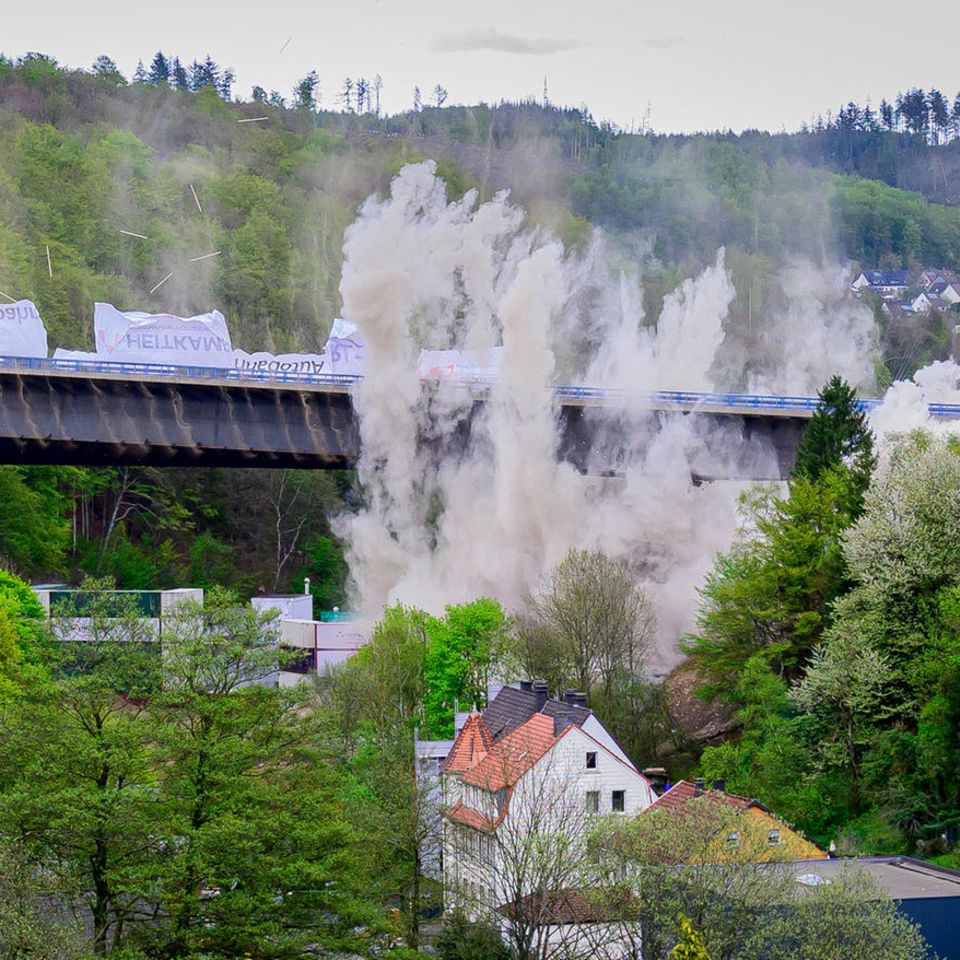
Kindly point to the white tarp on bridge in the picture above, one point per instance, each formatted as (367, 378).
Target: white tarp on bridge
(134, 337)
(22, 333)
(460, 364)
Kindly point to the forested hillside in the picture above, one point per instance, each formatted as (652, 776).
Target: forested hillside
(85, 155)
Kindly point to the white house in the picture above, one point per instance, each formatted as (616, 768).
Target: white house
(545, 777)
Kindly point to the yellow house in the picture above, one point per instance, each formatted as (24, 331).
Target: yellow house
(745, 830)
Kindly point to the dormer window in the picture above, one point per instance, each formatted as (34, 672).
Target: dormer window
(733, 839)
(592, 761)
(774, 839)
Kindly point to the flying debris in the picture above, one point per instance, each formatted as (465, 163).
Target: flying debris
(196, 198)
(49, 264)
(252, 119)
(284, 47)
(139, 236)
(162, 282)
(206, 256)
(7, 295)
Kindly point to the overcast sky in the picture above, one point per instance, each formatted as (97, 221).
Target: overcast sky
(699, 65)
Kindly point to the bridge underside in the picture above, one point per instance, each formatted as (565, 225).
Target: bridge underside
(77, 419)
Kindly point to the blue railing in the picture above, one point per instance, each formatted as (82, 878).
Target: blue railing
(681, 399)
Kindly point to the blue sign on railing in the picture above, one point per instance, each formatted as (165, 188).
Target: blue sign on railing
(680, 399)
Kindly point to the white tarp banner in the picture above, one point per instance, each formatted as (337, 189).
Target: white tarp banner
(202, 341)
(22, 333)
(280, 363)
(460, 364)
(344, 349)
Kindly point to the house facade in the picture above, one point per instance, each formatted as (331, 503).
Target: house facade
(544, 777)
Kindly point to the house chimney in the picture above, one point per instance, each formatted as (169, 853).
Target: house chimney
(720, 785)
(526, 686)
(540, 689)
(569, 696)
(579, 700)
(698, 787)
(561, 720)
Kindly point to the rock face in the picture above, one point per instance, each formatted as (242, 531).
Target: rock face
(694, 718)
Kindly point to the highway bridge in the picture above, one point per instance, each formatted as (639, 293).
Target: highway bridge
(110, 414)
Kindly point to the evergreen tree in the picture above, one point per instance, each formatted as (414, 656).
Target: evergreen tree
(159, 70)
(140, 74)
(305, 92)
(837, 438)
(417, 100)
(225, 86)
(363, 95)
(178, 75)
(258, 95)
(886, 115)
(103, 66)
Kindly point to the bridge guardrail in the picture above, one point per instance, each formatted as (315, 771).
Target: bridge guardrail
(682, 399)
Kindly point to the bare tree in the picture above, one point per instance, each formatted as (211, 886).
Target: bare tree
(600, 621)
(440, 95)
(377, 87)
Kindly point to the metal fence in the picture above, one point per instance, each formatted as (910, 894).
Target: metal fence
(680, 399)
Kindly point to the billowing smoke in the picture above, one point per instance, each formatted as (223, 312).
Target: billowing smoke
(905, 404)
(448, 517)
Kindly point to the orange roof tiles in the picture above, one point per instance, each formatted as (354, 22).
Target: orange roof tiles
(513, 755)
(471, 818)
(471, 746)
(683, 790)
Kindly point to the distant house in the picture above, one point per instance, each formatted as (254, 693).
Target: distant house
(885, 283)
(527, 766)
(782, 840)
(945, 290)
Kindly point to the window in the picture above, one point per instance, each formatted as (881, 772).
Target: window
(593, 801)
(774, 839)
(618, 800)
(591, 761)
(733, 839)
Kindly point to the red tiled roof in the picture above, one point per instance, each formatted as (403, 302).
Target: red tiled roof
(470, 817)
(512, 756)
(572, 906)
(471, 746)
(682, 791)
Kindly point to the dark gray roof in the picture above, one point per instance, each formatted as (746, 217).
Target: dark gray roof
(887, 278)
(901, 878)
(511, 707)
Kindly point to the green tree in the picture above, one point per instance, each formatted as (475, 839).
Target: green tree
(771, 593)
(32, 921)
(257, 852)
(74, 756)
(463, 939)
(837, 438)
(462, 649)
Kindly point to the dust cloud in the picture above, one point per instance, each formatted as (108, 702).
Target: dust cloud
(446, 519)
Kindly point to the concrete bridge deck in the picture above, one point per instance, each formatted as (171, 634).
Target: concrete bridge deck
(102, 413)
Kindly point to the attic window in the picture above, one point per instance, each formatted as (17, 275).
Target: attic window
(733, 839)
(591, 761)
(774, 839)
